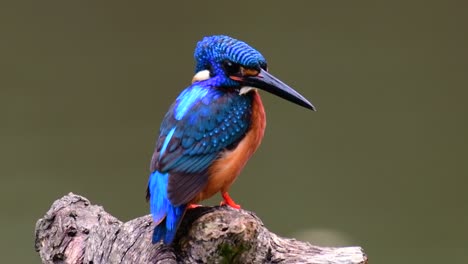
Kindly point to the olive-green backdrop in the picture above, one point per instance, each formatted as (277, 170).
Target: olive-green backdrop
(382, 164)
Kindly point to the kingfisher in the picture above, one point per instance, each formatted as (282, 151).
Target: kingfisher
(211, 130)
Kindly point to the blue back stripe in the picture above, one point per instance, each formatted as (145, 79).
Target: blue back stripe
(166, 142)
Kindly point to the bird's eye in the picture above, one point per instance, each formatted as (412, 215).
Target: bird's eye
(231, 68)
(264, 66)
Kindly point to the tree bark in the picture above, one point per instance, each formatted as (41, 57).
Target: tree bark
(75, 231)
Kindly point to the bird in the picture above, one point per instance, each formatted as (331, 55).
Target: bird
(211, 130)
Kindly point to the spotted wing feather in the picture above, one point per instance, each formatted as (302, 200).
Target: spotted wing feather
(216, 121)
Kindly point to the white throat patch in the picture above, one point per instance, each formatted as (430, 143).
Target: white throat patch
(246, 89)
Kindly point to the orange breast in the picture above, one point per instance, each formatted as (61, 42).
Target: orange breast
(225, 170)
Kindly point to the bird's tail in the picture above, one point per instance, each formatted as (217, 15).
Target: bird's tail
(166, 216)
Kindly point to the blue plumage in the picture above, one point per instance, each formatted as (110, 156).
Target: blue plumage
(166, 141)
(214, 49)
(210, 122)
(203, 121)
(162, 209)
(188, 98)
(207, 122)
(201, 124)
(158, 202)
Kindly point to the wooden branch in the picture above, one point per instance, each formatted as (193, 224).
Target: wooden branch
(75, 231)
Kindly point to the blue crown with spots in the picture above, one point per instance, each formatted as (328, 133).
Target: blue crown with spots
(215, 49)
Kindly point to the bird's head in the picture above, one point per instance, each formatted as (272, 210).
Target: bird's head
(231, 63)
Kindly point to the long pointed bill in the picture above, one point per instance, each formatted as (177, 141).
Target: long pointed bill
(270, 83)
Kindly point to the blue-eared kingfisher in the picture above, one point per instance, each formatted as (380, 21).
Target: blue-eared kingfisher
(211, 130)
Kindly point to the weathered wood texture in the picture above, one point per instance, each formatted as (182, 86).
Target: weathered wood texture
(75, 231)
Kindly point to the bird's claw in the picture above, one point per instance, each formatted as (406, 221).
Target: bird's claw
(228, 201)
(234, 205)
(192, 206)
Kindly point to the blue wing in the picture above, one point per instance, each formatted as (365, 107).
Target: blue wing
(203, 122)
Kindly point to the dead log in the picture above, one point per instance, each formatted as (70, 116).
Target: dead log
(75, 231)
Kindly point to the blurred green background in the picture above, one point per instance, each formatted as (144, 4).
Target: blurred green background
(382, 164)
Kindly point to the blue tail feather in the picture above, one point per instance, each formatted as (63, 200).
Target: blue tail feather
(166, 215)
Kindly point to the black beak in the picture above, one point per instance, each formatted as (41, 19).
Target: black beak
(270, 83)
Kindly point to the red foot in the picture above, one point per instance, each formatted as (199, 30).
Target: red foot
(192, 206)
(228, 201)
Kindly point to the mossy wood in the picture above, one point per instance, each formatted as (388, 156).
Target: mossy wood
(75, 231)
